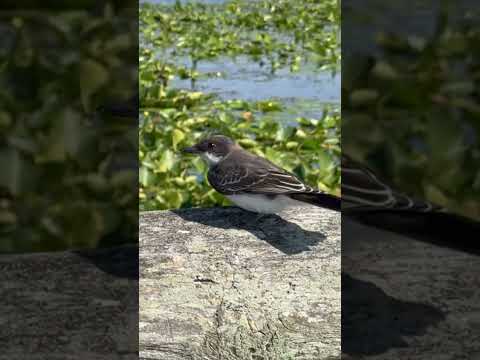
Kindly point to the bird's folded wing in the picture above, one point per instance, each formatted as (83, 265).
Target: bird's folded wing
(255, 179)
(363, 190)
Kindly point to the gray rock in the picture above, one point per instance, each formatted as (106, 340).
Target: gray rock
(403, 298)
(69, 305)
(222, 284)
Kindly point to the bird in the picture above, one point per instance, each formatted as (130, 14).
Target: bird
(365, 191)
(254, 183)
(371, 201)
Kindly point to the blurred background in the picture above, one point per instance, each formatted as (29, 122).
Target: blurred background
(410, 98)
(68, 157)
(410, 111)
(266, 73)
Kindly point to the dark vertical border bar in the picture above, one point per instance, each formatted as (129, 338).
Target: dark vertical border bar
(69, 179)
(410, 176)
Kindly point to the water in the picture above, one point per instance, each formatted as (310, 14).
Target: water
(305, 93)
(246, 80)
(363, 19)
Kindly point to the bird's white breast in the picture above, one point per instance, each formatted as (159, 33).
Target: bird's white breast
(263, 204)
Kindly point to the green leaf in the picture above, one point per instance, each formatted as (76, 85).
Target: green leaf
(284, 133)
(97, 183)
(82, 225)
(54, 145)
(167, 161)
(199, 164)
(291, 145)
(435, 195)
(363, 97)
(93, 76)
(124, 178)
(459, 88)
(5, 119)
(24, 50)
(247, 142)
(146, 177)
(384, 70)
(7, 218)
(177, 137)
(109, 218)
(18, 174)
(174, 199)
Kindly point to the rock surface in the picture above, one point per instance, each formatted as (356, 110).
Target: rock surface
(403, 298)
(70, 305)
(222, 283)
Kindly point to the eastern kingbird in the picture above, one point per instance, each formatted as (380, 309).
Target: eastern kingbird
(373, 202)
(363, 190)
(254, 183)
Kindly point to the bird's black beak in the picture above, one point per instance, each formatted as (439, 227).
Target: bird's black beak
(191, 150)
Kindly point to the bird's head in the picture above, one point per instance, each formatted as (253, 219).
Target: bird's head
(213, 149)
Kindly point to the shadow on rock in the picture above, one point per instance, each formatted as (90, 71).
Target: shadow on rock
(121, 261)
(373, 322)
(437, 228)
(282, 234)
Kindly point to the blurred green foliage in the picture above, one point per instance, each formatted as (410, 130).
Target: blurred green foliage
(61, 185)
(278, 33)
(413, 109)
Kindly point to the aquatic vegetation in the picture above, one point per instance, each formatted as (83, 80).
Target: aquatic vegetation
(273, 33)
(57, 187)
(169, 179)
(429, 82)
(176, 39)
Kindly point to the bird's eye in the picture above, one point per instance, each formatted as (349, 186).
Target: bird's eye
(211, 145)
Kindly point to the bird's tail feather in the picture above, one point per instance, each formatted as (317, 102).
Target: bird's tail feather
(319, 199)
